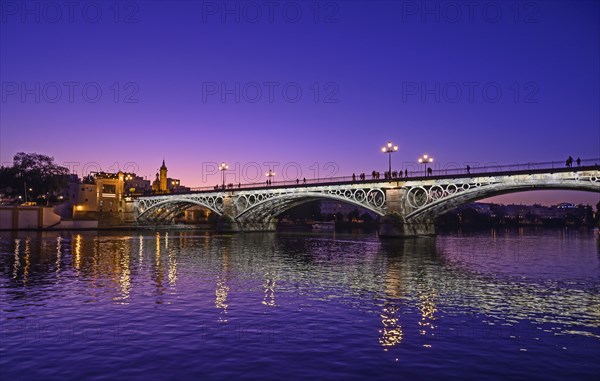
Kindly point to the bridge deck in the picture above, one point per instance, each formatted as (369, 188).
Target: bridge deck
(437, 175)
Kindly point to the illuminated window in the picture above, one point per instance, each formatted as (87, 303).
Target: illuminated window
(109, 189)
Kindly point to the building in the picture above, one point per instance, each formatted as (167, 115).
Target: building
(136, 185)
(160, 184)
(165, 184)
(102, 195)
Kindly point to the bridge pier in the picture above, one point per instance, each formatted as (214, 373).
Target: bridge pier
(393, 224)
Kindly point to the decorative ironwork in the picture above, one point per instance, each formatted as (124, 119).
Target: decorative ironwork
(420, 198)
(152, 204)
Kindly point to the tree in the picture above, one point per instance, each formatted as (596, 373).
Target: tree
(36, 172)
(8, 183)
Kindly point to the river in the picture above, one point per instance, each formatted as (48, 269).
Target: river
(500, 304)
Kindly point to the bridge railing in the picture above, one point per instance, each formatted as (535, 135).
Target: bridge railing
(419, 173)
(512, 167)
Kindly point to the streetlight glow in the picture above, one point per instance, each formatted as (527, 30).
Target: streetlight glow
(425, 160)
(270, 175)
(389, 149)
(223, 167)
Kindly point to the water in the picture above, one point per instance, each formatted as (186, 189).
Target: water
(189, 305)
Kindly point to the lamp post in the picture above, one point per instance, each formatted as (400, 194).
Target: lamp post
(270, 175)
(389, 148)
(425, 159)
(223, 167)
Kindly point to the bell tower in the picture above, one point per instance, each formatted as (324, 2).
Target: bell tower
(163, 177)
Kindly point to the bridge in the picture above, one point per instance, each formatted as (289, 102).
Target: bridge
(408, 205)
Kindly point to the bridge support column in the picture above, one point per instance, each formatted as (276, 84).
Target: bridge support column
(394, 224)
(226, 221)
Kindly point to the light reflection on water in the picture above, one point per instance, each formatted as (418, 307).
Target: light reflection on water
(284, 305)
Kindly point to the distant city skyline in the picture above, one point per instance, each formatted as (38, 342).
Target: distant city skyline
(303, 83)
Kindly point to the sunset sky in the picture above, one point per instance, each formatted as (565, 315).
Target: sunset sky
(122, 85)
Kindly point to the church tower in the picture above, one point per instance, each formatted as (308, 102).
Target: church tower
(163, 177)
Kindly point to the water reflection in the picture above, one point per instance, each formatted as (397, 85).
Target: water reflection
(172, 267)
(58, 256)
(27, 262)
(222, 289)
(269, 286)
(141, 250)
(505, 278)
(77, 251)
(158, 269)
(391, 334)
(17, 260)
(427, 309)
(125, 277)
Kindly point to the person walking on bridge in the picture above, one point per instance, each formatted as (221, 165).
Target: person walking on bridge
(569, 162)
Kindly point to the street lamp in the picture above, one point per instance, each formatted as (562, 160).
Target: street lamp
(389, 149)
(223, 167)
(270, 175)
(425, 160)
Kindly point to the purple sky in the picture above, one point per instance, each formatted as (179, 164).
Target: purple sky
(197, 84)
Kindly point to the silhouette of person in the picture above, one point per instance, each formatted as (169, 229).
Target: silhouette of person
(578, 162)
(353, 177)
(297, 181)
(468, 169)
(406, 172)
(569, 161)
(304, 180)
(429, 171)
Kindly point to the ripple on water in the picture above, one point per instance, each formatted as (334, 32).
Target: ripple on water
(187, 304)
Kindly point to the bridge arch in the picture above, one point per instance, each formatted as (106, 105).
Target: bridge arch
(163, 209)
(268, 208)
(436, 207)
